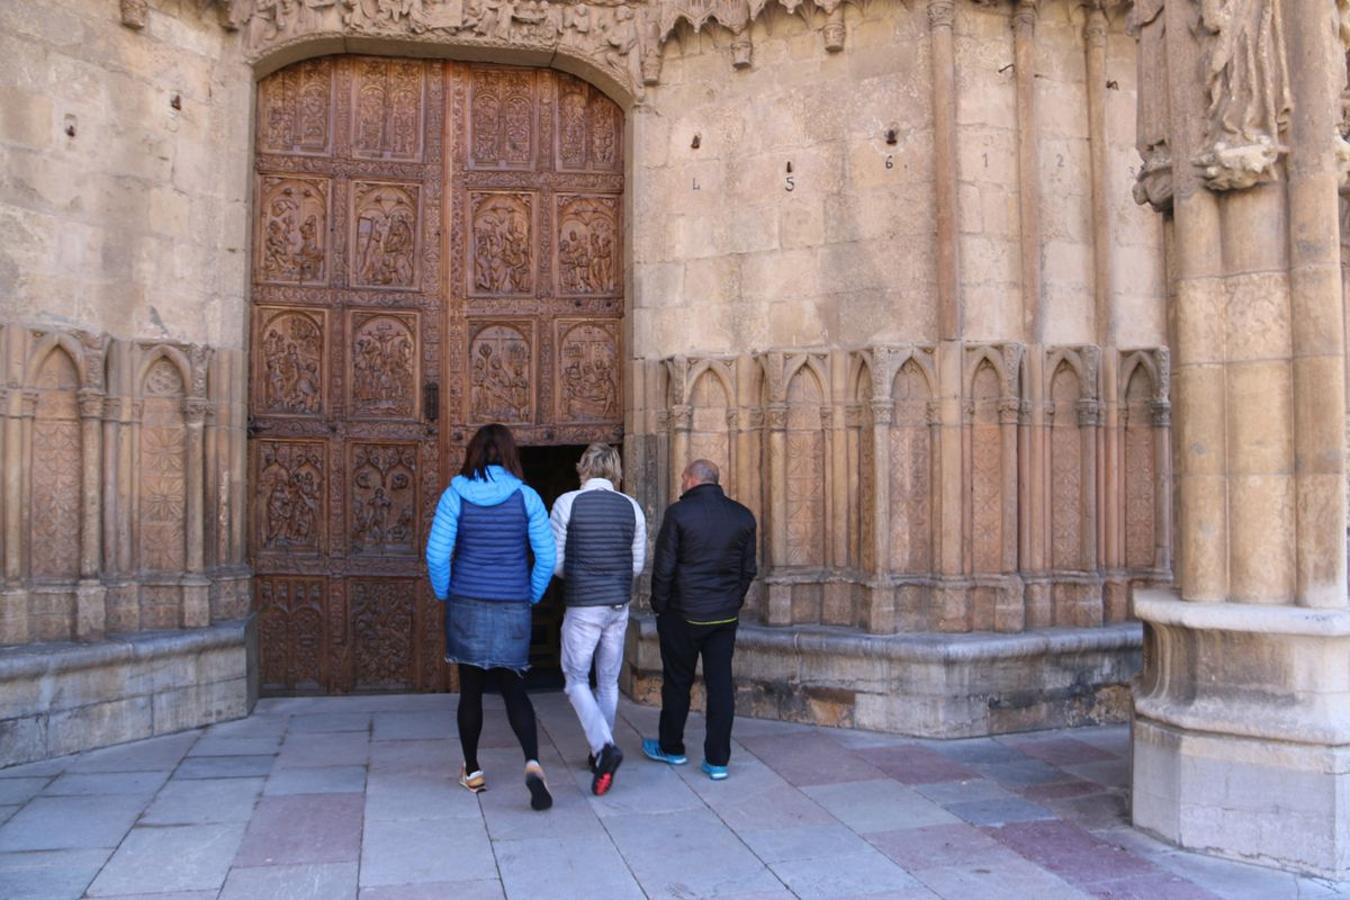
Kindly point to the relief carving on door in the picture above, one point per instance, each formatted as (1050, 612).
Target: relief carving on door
(413, 276)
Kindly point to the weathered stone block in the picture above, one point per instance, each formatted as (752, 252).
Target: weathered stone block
(98, 725)
(200, 704)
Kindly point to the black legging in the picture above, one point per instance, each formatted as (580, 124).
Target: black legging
(519, 711)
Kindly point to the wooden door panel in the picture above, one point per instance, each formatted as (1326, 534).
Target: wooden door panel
(436, 246)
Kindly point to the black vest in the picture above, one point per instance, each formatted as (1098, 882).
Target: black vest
(598, 563)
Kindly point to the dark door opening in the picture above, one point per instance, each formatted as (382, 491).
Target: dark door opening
(552, 471)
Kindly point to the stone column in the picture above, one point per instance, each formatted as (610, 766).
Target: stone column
(880, 617)
(1242, 716)
(90, 596)
(14, 599)
(941, 19)
(681, 421)
(196, 587)
(778, 611)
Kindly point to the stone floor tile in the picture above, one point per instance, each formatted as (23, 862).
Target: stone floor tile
(940, 845)
(409, 851)
(1094, 811)
(319, 780)
(857, 874)
(862, 740)
(508, 815)
(46, 768)
(171, 895)
(304, 828)
(49, 874)
(977, 750)
(1114, 739)
(659, 847)
(7, 812)
(1159, 886)
(1064, 751)
(202, 801)
(1024, 773)
(779, 807)
(564, 867)
(420, 795)
(21, 790)
(214, 745)
(130, 784)
(441, 756)
(1061, 790)
(810, 758)
(1015, 878)
(884, 805)
(639, 788)
(175, 858)
(255, 726)
(775, 845)
(748, 777)
(916, 765)
(747, 728)
(408, 726)
(947, 792)
(138, 756)
(330, 721)
(459, 890)
(993, 813)
(224, 767)
(64, 823)
(1112, 773)
(1072, 853)
(310, 749)
(314, 881)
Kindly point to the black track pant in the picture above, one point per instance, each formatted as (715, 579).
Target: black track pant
(681, 645)
(519, 711)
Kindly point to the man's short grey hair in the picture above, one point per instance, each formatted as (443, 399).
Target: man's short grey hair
(601, 461)
(703, 471)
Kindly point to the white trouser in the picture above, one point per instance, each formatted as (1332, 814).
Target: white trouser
(594, 632)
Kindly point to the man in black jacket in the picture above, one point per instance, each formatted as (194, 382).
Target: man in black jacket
(704, 564)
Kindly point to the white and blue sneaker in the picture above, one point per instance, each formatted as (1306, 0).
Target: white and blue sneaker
(716, 773)
(651, 748)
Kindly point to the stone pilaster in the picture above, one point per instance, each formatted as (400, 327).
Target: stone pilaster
(1242, 716)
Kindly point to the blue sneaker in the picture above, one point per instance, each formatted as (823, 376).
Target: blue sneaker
(716, 773)
(651, 747)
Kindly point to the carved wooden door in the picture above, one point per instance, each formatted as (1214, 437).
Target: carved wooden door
(347, 309)
(364, 307)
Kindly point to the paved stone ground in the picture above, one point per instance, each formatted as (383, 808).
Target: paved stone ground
(327, 798)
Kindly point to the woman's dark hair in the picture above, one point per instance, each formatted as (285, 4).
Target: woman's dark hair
(492, 445)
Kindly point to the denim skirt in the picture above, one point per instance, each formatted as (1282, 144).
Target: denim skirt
(488, 634)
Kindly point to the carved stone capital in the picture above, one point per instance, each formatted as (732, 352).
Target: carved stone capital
(1094, 29)
(651, 66)
(112, 408)
(854, 415)
(775, 416)
(941, 13)
(681, 417)
(91, 403)
(1024, 16)
(135, 13)
(741, 49)
(834, 30)
(756, 419)
(1162, 413)
(195, 411)
(28, 404)
(934, 412)
(883, 413)
(733, 419)
(1010, 410)
(1089, 413)
(1226, 167)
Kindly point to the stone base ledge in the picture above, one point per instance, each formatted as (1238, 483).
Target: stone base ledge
(1259, 801)
(1275, 673)
(928, 685)
(57, 699)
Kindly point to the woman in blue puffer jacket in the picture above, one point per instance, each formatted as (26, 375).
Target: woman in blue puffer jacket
(487, 523)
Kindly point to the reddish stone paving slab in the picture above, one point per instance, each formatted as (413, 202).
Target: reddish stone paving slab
(1152, 887)
(935, 846)
(1064, 751)
(304, 828)
(916, 765)
(1072, 853)
(811, 758)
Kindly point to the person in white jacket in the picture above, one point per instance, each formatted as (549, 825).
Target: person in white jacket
(601, 536)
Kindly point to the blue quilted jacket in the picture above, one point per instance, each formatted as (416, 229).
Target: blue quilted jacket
(477, 546)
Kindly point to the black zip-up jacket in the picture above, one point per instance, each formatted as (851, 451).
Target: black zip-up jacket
(705, 556)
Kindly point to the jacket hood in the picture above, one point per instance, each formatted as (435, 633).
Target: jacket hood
(500, 485)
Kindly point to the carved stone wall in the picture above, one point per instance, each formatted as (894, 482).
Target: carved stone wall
(857, 528)
(122, 497)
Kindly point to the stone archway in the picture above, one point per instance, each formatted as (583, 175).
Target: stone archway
(437, 245)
